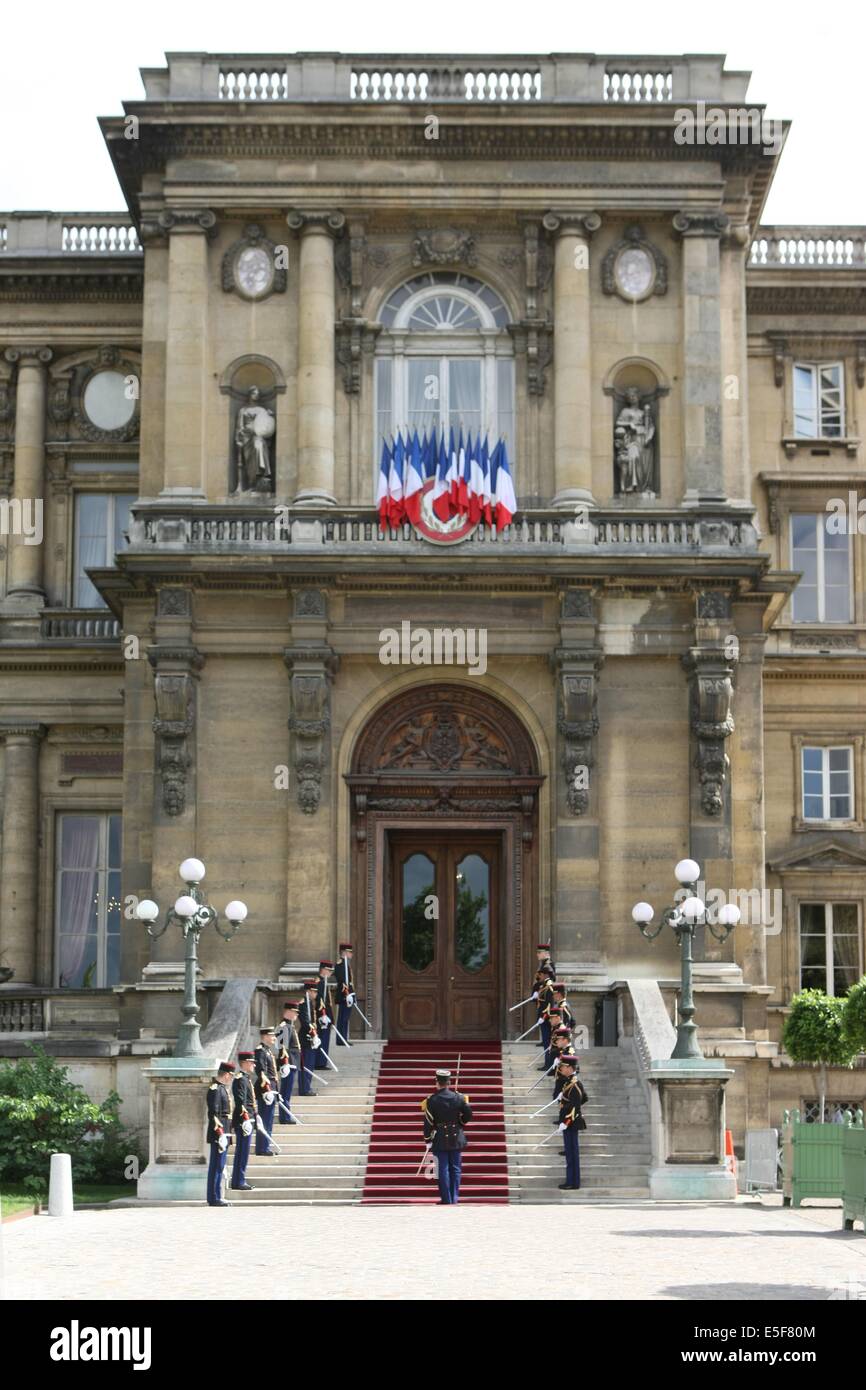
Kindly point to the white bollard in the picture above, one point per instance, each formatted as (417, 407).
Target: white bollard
(60, 1186)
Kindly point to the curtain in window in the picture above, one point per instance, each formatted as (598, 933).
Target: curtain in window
(90, 545)
(77, 913)
(846, 947)
(464, 395)
(424, 392)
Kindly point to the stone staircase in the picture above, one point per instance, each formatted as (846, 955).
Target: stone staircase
(615, 1151)
(323, 1159)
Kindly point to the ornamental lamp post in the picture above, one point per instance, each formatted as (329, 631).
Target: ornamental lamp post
(192, 914)
(685, 917)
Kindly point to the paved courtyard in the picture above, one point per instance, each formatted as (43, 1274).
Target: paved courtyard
(748, 1250)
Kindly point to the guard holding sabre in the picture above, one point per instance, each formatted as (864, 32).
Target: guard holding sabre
(446, 1114)
(345, 990)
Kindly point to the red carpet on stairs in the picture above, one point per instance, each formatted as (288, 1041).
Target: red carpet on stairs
(406, 1076)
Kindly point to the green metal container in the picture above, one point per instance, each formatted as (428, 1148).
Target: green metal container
(813, 1159)
(854, 1172)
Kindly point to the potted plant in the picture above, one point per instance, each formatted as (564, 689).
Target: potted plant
(6, 971)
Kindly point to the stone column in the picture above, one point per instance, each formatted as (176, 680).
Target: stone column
(186, 350)
(26, 548)
(317, 309)
(572, 359)
(576, 663)
(19, 872)
(702, 355)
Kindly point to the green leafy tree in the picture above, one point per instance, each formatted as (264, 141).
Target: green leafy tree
(419, 924)
(854, 1016)
(43, 1112)
(813, 1035)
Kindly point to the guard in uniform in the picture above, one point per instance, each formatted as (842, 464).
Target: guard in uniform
(571, 1122)
(560, 991)
(243, 1119)
(446, 1114)
(323, 1008)
(543, 995)
(553, 1018)
(288, 1057)
(345, 989)
(218, 1120)
(309, 1034)
(560, 1046)
(266, 1089)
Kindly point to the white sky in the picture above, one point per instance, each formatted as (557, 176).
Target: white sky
(63, 64)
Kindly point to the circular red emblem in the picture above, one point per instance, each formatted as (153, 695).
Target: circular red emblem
(439, 532)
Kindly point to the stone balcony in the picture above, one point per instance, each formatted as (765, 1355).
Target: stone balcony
(587, 78)
(90, 234)
(172, 536)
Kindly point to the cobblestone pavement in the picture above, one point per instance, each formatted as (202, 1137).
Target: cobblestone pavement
(747, 1250)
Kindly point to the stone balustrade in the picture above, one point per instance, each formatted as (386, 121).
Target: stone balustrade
(435, 77)
(79, 625)
(355, 531)
(809, 248)
(20, 1013)
(68, 234)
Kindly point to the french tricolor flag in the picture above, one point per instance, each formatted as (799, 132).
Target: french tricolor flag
(414, 479)
(382, 496)
(395, 482)
(441, 499)
(503, 487)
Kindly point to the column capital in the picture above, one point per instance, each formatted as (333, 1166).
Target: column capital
(29, 356)
(563, 222)
(333, 223)
(701, 224)
(22, 728)
(185, 222)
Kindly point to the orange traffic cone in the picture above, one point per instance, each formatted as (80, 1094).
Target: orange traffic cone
(730, 1156)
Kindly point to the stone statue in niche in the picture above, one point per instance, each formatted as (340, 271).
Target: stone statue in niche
(255, 428)
(635, 442)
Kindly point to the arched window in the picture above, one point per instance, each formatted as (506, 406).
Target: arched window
(444, 359)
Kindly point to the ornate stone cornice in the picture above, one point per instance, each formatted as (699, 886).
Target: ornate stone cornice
(561, 222)
(703, 224)
(834, 294)
(300, 220)
(107, 285)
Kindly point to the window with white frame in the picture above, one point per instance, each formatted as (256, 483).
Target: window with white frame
(819, 400)
(444, 360)
(88, 900)
(100, 521)
(831, 949)
(828, 783)
(823, 557)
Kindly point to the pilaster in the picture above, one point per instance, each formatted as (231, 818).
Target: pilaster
(316, 354)
(20, 862)
(572, 356)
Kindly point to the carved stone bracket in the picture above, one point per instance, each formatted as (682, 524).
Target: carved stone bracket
(311, 669)
(533, 337)
(577, 671)
(355, 336)
(712, 697)
(175, 674)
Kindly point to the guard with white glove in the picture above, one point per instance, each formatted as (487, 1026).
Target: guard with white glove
(572, 1098)
(267, 1083)
(308, 1031)
(323, 1011)
(218, 1119)
(244, 1112)
(345, 987)
(288, 1057)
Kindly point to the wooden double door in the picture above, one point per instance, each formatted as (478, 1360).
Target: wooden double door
(443, 935)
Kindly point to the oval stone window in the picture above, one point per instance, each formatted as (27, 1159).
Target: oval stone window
(106, 402)
(635, 272)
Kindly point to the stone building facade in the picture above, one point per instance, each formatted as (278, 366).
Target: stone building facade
(191, 645)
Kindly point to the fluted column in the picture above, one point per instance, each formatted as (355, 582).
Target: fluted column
(702, 354)
(186, 349)
(572, 404)
(26, 548)
(317, 309)
(19, 872)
